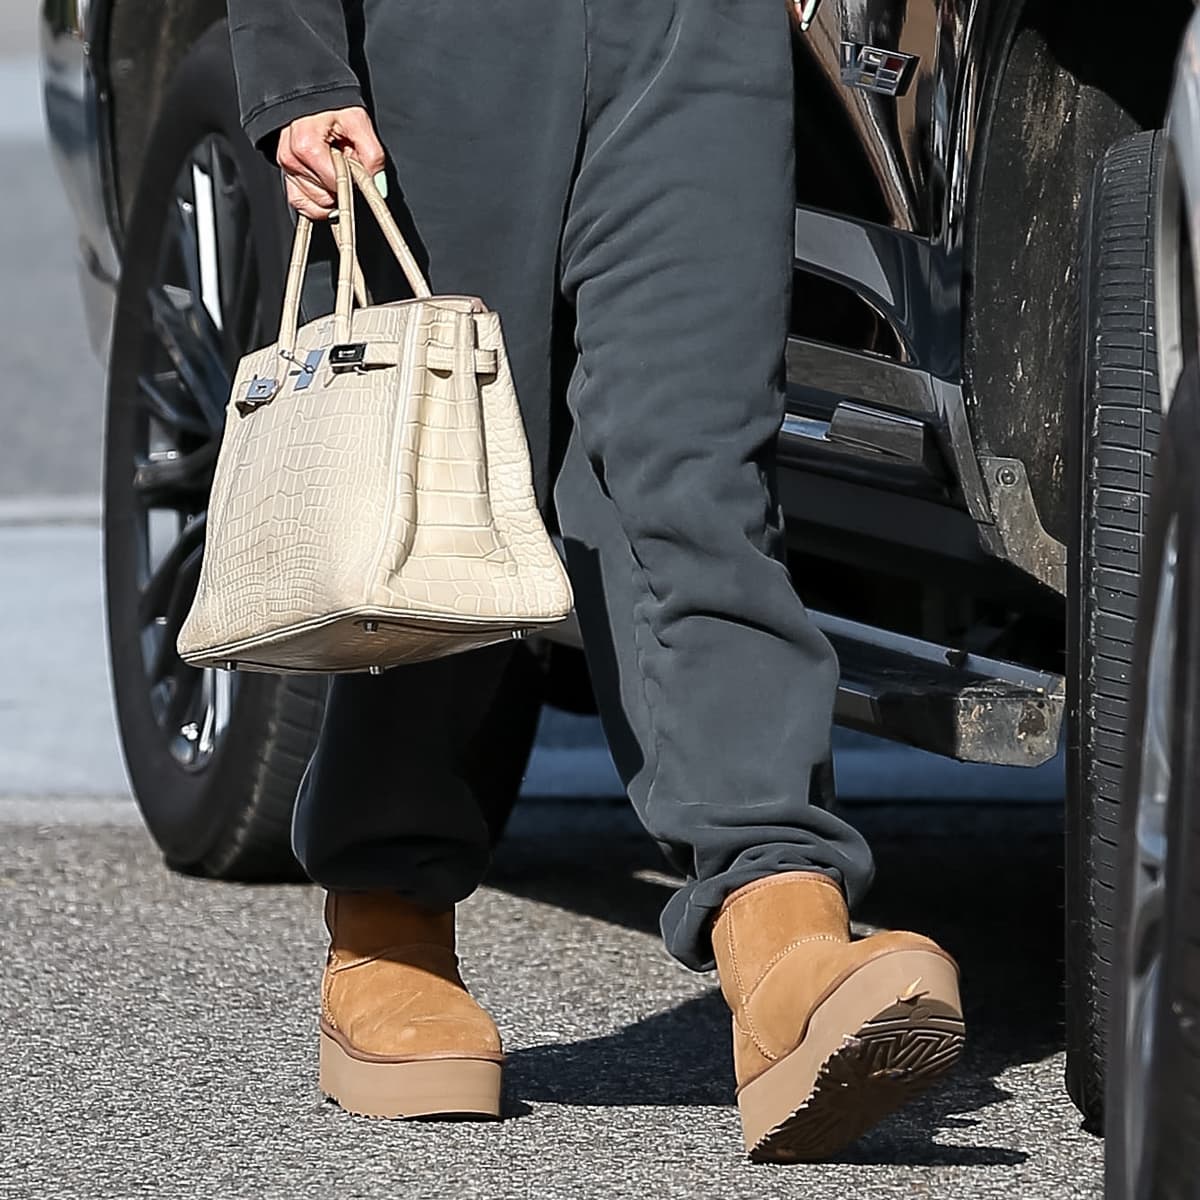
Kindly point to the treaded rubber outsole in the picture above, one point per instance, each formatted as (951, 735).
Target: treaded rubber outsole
(885, 1064)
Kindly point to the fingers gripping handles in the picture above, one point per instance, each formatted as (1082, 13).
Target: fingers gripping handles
(349, 275)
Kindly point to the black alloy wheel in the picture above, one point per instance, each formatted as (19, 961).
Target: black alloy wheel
(215, 757)
(1153, 1101)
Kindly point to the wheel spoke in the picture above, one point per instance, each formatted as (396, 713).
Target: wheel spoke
(157, 593)
(183, 682)
(182, 590)
(193, 345)
(233, 247)
(243, 326)
(203, 312)
(166, 408)
(176, 481)
(193, 226)
(182, 223)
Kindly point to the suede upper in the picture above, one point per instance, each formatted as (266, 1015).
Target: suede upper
(392, 988)
(782, 944)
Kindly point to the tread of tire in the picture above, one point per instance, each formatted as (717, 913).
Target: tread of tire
(1121, 429)
(258, 846)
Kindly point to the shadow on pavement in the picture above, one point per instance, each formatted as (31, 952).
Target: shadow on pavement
(985, 884)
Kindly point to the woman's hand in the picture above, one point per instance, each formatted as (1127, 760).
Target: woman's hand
(307, 163)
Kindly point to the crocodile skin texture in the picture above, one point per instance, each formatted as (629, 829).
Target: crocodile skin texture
(376, 516)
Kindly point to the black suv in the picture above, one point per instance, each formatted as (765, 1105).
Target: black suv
(968, 449)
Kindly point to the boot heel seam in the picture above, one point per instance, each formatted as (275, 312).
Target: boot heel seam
(733, 962)
(780, 955)
(326, 990)
(749, 1027)
(752, 1034)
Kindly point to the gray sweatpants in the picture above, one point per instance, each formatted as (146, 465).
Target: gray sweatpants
(619, 170)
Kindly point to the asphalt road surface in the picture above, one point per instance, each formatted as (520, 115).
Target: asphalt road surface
(158, 1033)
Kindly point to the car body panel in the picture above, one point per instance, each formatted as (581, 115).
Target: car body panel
(1179, 215)
(885, 414)
(900, 266)
(74, 97)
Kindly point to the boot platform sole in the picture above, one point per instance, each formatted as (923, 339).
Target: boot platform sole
(418, 1087)
(906, 1011)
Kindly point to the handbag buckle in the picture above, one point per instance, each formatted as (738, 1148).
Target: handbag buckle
(304, 370)
(348, 356)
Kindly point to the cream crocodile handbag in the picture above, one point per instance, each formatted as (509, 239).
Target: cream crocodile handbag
(372, 503)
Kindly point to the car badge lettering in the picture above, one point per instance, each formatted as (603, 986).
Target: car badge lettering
(806, 10)
(871, 69)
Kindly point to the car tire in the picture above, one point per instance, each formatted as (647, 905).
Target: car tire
(1112, 467)
(221, 807)
(226, 814)
(1152, 1133)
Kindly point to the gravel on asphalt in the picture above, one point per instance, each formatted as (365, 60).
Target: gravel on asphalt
(158, 1031)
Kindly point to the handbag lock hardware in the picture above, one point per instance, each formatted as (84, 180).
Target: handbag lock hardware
(348, 356)
(306, 370)
(258, 392)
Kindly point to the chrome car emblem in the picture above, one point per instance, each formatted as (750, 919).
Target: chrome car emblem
(873, 70)
(806, 10)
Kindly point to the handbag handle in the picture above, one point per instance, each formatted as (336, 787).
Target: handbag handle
(349, 273)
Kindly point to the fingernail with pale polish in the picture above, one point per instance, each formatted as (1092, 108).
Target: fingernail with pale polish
(381, 183)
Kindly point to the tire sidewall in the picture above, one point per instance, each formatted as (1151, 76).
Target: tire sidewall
(1177, 1077)
(1176, 496)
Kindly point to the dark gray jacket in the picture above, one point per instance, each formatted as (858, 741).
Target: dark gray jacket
(292, 58)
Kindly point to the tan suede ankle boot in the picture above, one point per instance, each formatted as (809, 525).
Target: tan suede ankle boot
(400, 1034)
(829, 1035)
